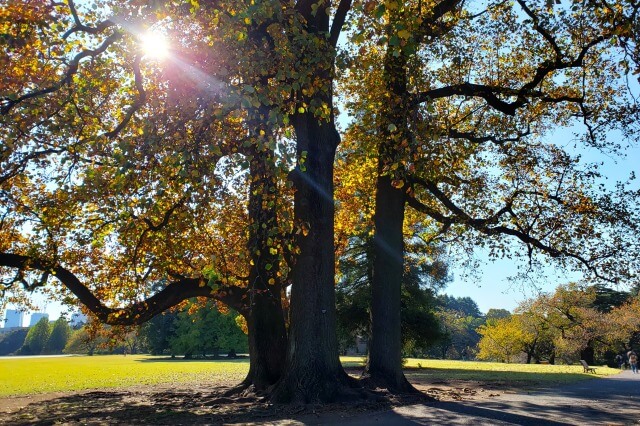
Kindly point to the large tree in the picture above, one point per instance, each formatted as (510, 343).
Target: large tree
(118, 172)
(130, 151)
(460, 99)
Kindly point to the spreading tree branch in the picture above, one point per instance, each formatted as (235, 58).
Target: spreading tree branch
(135, 313)
(490, 226)
(338, 21)
(6, 103)
(80, 27)
(139, 102)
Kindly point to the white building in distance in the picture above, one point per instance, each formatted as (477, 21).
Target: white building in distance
(37, 316)
(13, 318)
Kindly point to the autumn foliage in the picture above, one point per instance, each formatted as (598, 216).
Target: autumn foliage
(131, 180)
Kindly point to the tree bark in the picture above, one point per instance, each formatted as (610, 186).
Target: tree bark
(385, 350)
(267, 343)
(313, 372)
(264, 316)
(385, 347)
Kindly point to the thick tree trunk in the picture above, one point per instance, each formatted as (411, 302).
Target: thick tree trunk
(267, 342)
(264, 314)
(385, 347)
(313, 372)
(385, 350)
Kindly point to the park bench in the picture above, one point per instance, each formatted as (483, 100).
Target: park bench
(586, 367)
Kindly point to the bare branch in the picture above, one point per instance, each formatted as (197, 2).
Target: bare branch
(489, 226)
(473, 137)
(338, 21)
(537, 25)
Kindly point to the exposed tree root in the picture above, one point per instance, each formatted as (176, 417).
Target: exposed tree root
(243, 389)
(341, 388)
(395, 385)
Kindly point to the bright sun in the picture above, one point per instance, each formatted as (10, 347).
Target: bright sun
(154, 44)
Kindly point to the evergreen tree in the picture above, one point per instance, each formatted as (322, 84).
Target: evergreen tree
(37, 338)
(159, 331)
(60, 332)
(420, 327)
(204, 330)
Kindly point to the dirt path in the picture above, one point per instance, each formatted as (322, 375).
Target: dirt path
(607, 401)
(614, 400)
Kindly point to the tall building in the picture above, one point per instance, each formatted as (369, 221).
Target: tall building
(37, 316)
(13, 318)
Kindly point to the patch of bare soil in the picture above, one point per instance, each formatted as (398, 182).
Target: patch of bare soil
(200, 404)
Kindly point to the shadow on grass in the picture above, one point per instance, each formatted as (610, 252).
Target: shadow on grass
(559, 405)
(513, 380)
(125, 407)
(197, 407)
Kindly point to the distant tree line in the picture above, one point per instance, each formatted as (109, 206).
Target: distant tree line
(575, 322)
(196, 330)
(46, 338)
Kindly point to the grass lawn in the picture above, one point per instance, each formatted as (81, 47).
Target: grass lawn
(520, 375)
(22, 376)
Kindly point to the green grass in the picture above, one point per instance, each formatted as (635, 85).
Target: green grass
(24, 376)
(21, 376)
(521, 375)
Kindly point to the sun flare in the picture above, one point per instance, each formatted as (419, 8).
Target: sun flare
(154, 44)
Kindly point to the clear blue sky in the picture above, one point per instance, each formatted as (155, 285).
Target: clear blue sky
(495, 286)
